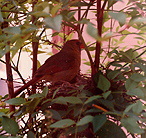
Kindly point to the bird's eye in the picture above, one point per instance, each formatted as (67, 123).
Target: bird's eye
(78, 43)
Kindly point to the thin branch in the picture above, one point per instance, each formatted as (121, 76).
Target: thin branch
(86, 13)
(9, 79)
(15, 69)
(14, 11)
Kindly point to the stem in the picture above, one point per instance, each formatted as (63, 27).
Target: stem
(9, 79)
(86, 13)
(87, 51)
(109, 42)
(35, 43)
(9, 74)
(100, 10)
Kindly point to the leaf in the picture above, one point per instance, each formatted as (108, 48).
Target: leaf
(106, 94)
(138, 20)
(55, 92)
(12, 30)
(37, 95)
(128, 55)
(85, 120)
(10, 125)
(138, 107)
(31, 105)
(60, 100)
(113, 74)
(2, 114)
(128, 108)
(30, 134)
(136, 91)
(55, 114)
(55, 9)
(18, 45)
(131, 125)
(92, 31)
(98, 121)
(63, 123)
(73, 100)
(16, 101)
(119, 16)
(112, 2)
(130, 84)
(75, 129)
(111, 130)
(54, 22)
(103, 83)
(45, 92)
(137, 77)
(1, 17)
(107, 36)
(91, 99)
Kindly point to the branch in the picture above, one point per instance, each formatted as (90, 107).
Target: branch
(100, 10)
(9, 79)
(35, 43)
(87, 51)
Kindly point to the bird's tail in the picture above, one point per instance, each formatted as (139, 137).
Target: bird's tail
(18, 91)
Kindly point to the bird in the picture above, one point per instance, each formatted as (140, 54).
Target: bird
(63, 66)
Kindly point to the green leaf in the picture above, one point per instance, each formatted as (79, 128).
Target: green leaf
(131, 125)
(137, 77)
(16, 101)
(92, 31)
(54, 22)
(87, 63)
(31, 134)
(112, 2)
(128, 108)
(138, 20)
(55, 9)
(106, 94)
(37, 95)
(63, 123)
(1, 17)
(31, 105)
(111, 130)
(113, 74)
(2, 114)
(91, 99)
(60, 100)
(85, 120)
(73, 100)
(9, 125)
(98, 121)
(119, 16)
(130, 84)
(45, 91)
(55, 92)
(128, 55)
(103, 83)
(12, 30)
(55, 114)
(138, 107)
(136, 91)
(18, 45)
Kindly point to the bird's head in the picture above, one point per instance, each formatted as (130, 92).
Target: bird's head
(74, 45)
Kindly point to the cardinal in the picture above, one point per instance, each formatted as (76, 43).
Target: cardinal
(63, 66)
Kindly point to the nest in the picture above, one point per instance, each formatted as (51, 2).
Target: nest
(63, 88)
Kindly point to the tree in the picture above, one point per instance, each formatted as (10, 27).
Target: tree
(112, 97)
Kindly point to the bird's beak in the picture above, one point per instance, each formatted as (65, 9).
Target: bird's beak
(82, 46)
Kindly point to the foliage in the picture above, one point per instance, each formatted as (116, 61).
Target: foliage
(102, 105)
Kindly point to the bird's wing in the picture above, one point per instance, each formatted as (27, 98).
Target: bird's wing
(51, 65)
